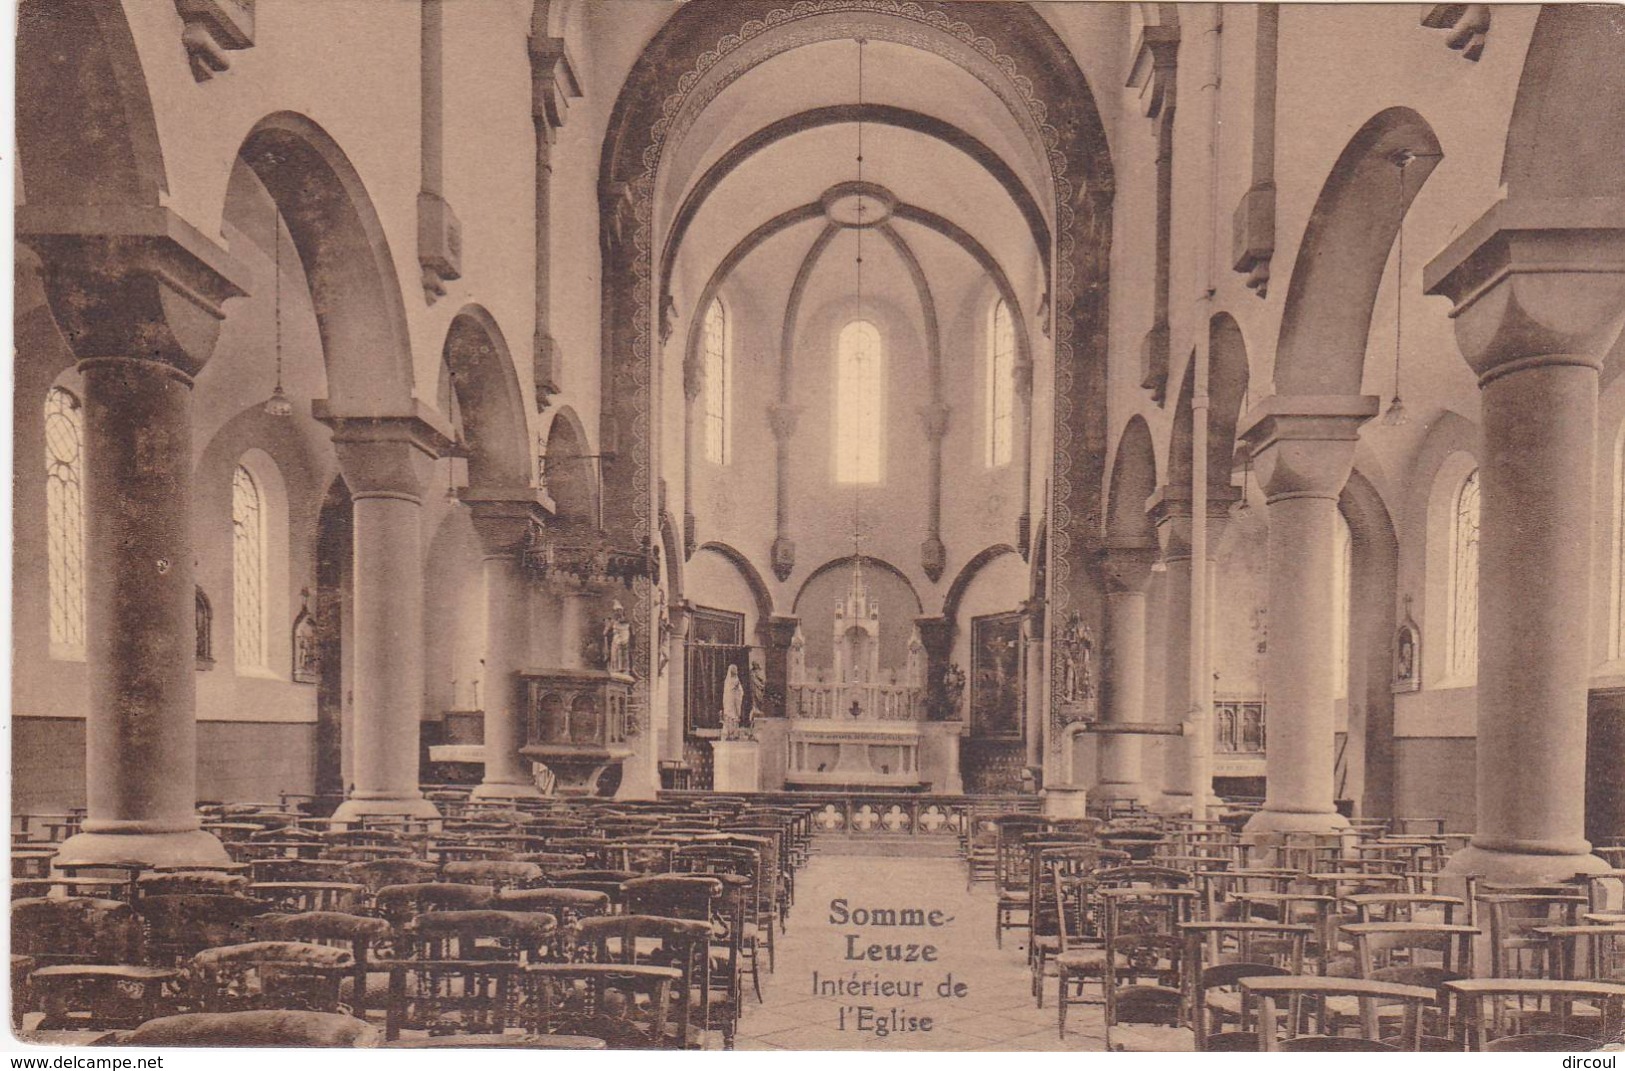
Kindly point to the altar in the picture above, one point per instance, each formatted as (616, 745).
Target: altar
(855, 725)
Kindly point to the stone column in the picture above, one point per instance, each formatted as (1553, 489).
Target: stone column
(775, 635)
(1127, 572)
(137, 293)
(782, 419)
(1033, 705)
(933, 555)
(1303, 452)
(1539, 289)
(1170, 510)
(502, 524)
(937, 637)
(386, 463)
(681, 616)
(576, 605)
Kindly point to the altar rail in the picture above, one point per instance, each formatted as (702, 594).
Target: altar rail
(884, 814)
(829, 702)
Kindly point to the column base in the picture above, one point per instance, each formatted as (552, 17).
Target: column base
(1066, 801)
(353, 808)
(505, 790)
(1514, 868)
(1169, 803)
(1119, 790)
(1267, 821)
(187, 848)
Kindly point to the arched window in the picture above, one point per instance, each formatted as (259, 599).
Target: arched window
(65, 520)
(1462, 639)
(1342, 581)
(1001, 385)
(248, 571)
(719, 385)
(859, 378)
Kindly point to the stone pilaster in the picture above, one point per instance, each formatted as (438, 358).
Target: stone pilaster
(1127, 573)
(782, 419)
(933, 556)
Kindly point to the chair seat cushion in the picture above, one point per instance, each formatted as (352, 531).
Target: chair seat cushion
(118, 971)
(1081, 959)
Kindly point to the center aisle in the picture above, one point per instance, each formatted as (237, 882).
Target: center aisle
(995, 1012)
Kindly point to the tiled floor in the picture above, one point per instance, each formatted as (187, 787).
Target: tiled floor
(996, 1013)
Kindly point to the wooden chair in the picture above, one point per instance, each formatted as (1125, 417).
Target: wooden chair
(1218, 955)
(568, 906)
(494, 873)
(401, 904)
(740, 869)
(1144, 979)
(378, 873)
(180, 925)
(483, 935)
(85, 965)
(1595, 952)
(500, 1041)
(302, 896)
(285, 869)
(1534, 1014)
(1012, 873)
(1312, 993)
(361, 936)
(1513, 919)
(669, 942)
(270, 975)
(453, 996)
(612, 883)
(250, 1029)
(626, 1007)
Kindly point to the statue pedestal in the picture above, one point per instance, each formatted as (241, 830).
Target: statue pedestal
(1062, 801)
(736, 766)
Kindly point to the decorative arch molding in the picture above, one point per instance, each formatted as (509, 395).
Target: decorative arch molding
(836, 114)
(752, 577)
(488, 393)
(353, 285)
(867, 562)
(967, 574)
(672, 555)
(86, 133)
(703, 48)
(1133, 481)
(1567, 122)
(1327, 319)
(572, 482)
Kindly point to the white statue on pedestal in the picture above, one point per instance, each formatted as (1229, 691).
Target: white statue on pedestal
(733, 702)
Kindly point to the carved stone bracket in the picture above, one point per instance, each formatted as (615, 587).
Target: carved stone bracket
(211, 29)
(1155, 67)
(553, 83)
(440, 243)
(1469, 26)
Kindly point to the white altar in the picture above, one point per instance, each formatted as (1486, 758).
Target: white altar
(855, 725)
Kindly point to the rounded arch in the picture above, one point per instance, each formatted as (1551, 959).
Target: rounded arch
(962, 581)
(830, 115)
(1327, 319)
(846, 562)
(753, 578)
(1134, 480)
(671, 547)
(85, 127)
(1228, 375)
(1568, 121)
(569, 473)
(1022, 60)
(488, 395)
(360, 314)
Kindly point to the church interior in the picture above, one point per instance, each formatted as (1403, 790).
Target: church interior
(507, 490)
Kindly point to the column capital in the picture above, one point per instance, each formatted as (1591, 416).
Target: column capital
(1303, 445)
(503, 518)
(1171, 509)
(131, 280)
(385, 456)
(1535, 281)
(1127, 568)
(937, 633)
(782, 418)
(778, 630)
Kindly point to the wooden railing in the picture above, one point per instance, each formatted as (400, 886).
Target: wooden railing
(880, 813)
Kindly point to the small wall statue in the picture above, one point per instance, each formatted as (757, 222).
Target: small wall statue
(733, 704)
(1077, 658)
(617, 640)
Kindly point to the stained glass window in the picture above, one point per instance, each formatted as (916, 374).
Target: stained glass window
(248, 576)
(65, 518)
(718, 385)
(1463, 636)
(859, 377)
(1001, 385)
